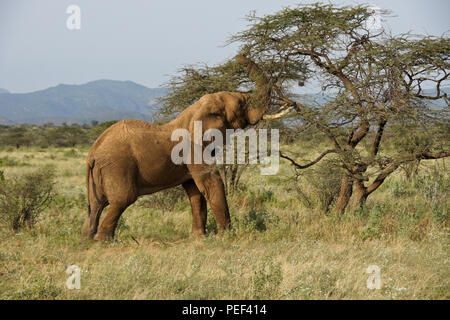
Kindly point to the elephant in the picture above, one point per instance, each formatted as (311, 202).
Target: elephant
(133, 158)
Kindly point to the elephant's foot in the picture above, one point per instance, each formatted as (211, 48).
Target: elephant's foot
(199, 233)
(86, 232)
(221, 231)
(104, 236)
(86, 237)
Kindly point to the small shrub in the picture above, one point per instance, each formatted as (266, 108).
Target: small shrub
(255, 220)
(256, 199)
(440, 214)
(400, 189)
(164, 200)
(64, 202)
(211, 225)
(22, 198)
(434, 185)
(374, 226)
(324, 180)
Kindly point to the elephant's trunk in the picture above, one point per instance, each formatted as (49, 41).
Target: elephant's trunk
(262, 100)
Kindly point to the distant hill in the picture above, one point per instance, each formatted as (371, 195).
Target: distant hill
(7, 122)
(99, 100)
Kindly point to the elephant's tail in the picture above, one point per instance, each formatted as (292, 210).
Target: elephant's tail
(96, 203)
(91, 185)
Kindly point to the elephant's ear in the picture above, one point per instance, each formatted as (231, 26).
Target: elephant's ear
(210, 113)
(223, 110)
(209, 118)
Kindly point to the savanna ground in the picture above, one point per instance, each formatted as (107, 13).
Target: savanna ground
(282, 245)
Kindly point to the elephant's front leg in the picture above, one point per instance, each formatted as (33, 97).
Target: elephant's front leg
(211, 186)
(198, 205)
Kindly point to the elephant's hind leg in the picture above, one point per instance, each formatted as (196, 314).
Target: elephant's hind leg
(121, 192)
(198, 205)
(91, 223)
(108, 226)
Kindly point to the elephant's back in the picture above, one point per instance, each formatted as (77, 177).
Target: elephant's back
(145, 146)
(116, 141)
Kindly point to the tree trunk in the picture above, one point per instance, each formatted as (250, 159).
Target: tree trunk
(361, 195)
(345, 193)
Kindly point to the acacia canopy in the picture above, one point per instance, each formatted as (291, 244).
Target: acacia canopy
(378, 88)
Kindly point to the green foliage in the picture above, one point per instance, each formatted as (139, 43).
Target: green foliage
(66, 136)
(164, 200)
(65, 202)
(322, 184)
(211, 225)
(373, 228)
(23, 198)
(16, 136)
(193, 82)
(51, 135)
(363, 75)
(255, 198)
(401, 189)
(40, 289)
(96, 131)
(255, 220)
(434, 184)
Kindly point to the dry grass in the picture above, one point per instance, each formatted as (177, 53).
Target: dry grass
(279, 248)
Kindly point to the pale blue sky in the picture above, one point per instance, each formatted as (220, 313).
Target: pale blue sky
(146, 41)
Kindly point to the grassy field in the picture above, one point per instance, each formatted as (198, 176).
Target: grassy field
(281, 247)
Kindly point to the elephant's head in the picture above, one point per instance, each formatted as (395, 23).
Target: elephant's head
(226, 109)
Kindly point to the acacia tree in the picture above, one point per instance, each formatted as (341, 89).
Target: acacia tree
(374, 83)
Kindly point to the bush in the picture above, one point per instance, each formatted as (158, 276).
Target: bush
(254, 198)
(66, 202)
(164, 200)
(22, 198)
(256, 220)
(434, 184)
(324, 181)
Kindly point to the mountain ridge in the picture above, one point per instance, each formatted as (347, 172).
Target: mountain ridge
(99, 100)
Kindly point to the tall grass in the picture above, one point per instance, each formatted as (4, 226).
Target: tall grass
(280, 246)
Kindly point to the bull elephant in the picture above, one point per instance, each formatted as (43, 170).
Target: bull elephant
(133, 158)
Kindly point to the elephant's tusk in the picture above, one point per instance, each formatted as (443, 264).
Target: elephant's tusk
(279, 114)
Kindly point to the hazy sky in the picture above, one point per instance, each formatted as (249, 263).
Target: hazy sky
(146, 41)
